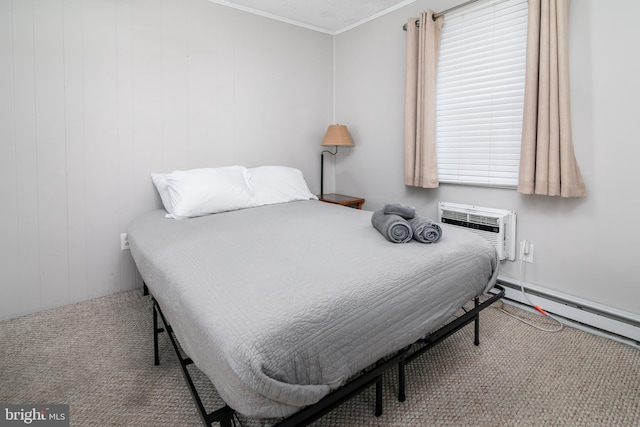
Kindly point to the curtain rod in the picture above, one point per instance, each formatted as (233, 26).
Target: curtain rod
(437, 15)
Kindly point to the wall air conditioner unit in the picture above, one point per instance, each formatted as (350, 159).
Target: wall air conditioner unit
(498, 226)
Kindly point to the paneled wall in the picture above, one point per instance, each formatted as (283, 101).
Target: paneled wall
(97, 94)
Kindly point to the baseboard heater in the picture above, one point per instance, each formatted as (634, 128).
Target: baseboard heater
(592, 315)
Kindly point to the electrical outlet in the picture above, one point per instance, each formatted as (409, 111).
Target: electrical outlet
(124, 242)
(526, 251)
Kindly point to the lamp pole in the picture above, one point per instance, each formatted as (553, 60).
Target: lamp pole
(322, 168)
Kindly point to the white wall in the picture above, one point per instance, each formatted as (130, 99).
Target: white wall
(583, 247)
(95, 95)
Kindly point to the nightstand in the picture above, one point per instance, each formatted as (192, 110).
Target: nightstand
(339, 199)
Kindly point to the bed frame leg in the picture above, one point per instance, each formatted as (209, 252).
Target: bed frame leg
(379, 391)
(476, 340)
(379, 396)
(156, 331)
(401, 382)
(226, 421)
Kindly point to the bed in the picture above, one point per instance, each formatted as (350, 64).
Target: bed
(281, 304)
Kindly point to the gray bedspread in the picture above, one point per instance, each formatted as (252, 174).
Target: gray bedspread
(279, 305)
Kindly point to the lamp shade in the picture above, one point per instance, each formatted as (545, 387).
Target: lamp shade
(337, 135)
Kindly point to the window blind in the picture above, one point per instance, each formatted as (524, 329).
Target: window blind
(480, 93)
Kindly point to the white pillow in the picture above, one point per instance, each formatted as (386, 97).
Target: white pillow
(163, 189)
(278, 184)
(199, 192)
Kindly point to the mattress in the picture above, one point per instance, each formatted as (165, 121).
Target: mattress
(281, 304)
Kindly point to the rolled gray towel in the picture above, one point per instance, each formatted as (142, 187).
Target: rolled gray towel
(393, 227)
(405, 211)
(425, 230)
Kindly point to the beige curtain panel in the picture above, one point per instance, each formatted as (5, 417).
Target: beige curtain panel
(423, 45)
(547, 162)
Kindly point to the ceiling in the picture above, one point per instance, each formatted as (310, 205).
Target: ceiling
(327, 16)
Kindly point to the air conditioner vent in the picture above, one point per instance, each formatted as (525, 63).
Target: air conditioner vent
(457, 216)
(498, 226)
(479, 219)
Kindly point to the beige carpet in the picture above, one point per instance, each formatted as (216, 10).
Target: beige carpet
(97, 357)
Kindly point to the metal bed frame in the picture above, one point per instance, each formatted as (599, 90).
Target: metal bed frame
(368, 377)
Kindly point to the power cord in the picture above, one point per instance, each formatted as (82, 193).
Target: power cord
(537, 307)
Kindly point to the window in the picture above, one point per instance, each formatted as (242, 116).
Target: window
(480, 93)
